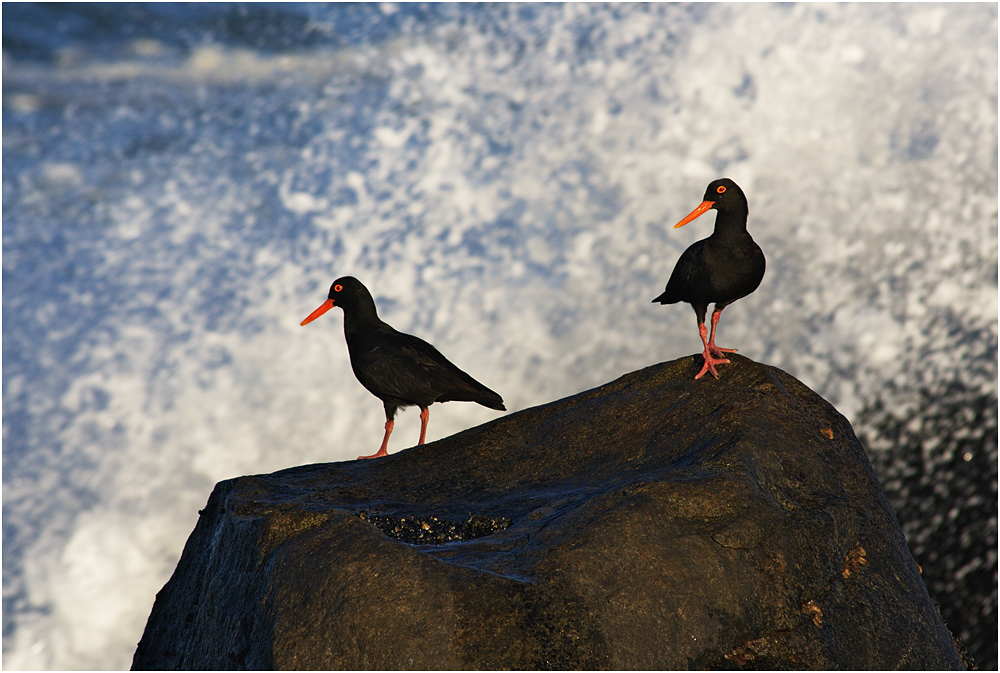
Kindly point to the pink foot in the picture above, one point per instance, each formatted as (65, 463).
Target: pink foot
(709, 365)
(383, 450)
(721, 352)
(713, 355)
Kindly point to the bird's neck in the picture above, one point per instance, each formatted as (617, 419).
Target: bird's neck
(731, 222)
(361, 319)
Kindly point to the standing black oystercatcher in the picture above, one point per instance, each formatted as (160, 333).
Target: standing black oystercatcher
(399, 369)
(722, 268)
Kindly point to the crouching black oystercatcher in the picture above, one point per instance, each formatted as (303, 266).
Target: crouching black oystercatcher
(399, 369)
(722, 268)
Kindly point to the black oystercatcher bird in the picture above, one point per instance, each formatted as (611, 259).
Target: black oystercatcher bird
(399, 369)
(720, 269)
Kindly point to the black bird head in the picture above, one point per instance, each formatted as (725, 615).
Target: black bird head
(348, 293)
(723, 195)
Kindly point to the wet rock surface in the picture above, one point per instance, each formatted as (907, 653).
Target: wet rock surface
(656, 522)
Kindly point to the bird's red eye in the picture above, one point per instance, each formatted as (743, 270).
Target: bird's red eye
(721, 189)
(338, 288)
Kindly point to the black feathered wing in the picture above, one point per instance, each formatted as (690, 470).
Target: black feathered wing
(402, 370)
(687, 277)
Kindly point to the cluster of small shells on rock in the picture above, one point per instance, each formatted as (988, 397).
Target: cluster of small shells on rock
(432, 530)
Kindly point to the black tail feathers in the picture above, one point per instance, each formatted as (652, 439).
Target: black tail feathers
(490, 399)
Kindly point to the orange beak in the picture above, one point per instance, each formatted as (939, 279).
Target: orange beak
(326, 306)
(696, 213)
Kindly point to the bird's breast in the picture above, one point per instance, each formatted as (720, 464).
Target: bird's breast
(734, 269)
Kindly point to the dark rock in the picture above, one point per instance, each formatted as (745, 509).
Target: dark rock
(656, 522)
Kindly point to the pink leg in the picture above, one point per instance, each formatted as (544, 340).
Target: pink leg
(385, 442)
(715, 350)
(710, 361)
(425, 415)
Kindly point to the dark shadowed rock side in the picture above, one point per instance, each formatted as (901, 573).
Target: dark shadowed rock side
(656, 522)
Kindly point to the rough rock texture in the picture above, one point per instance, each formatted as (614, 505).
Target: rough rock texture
(656, 522)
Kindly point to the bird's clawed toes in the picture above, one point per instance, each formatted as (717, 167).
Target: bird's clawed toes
(381, 453)
(709, 365)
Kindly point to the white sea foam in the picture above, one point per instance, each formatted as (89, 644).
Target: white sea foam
(505, 188)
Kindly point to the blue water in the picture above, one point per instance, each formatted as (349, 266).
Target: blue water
(182, 182)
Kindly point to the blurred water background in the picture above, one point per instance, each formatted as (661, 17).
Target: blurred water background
(182, 182)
